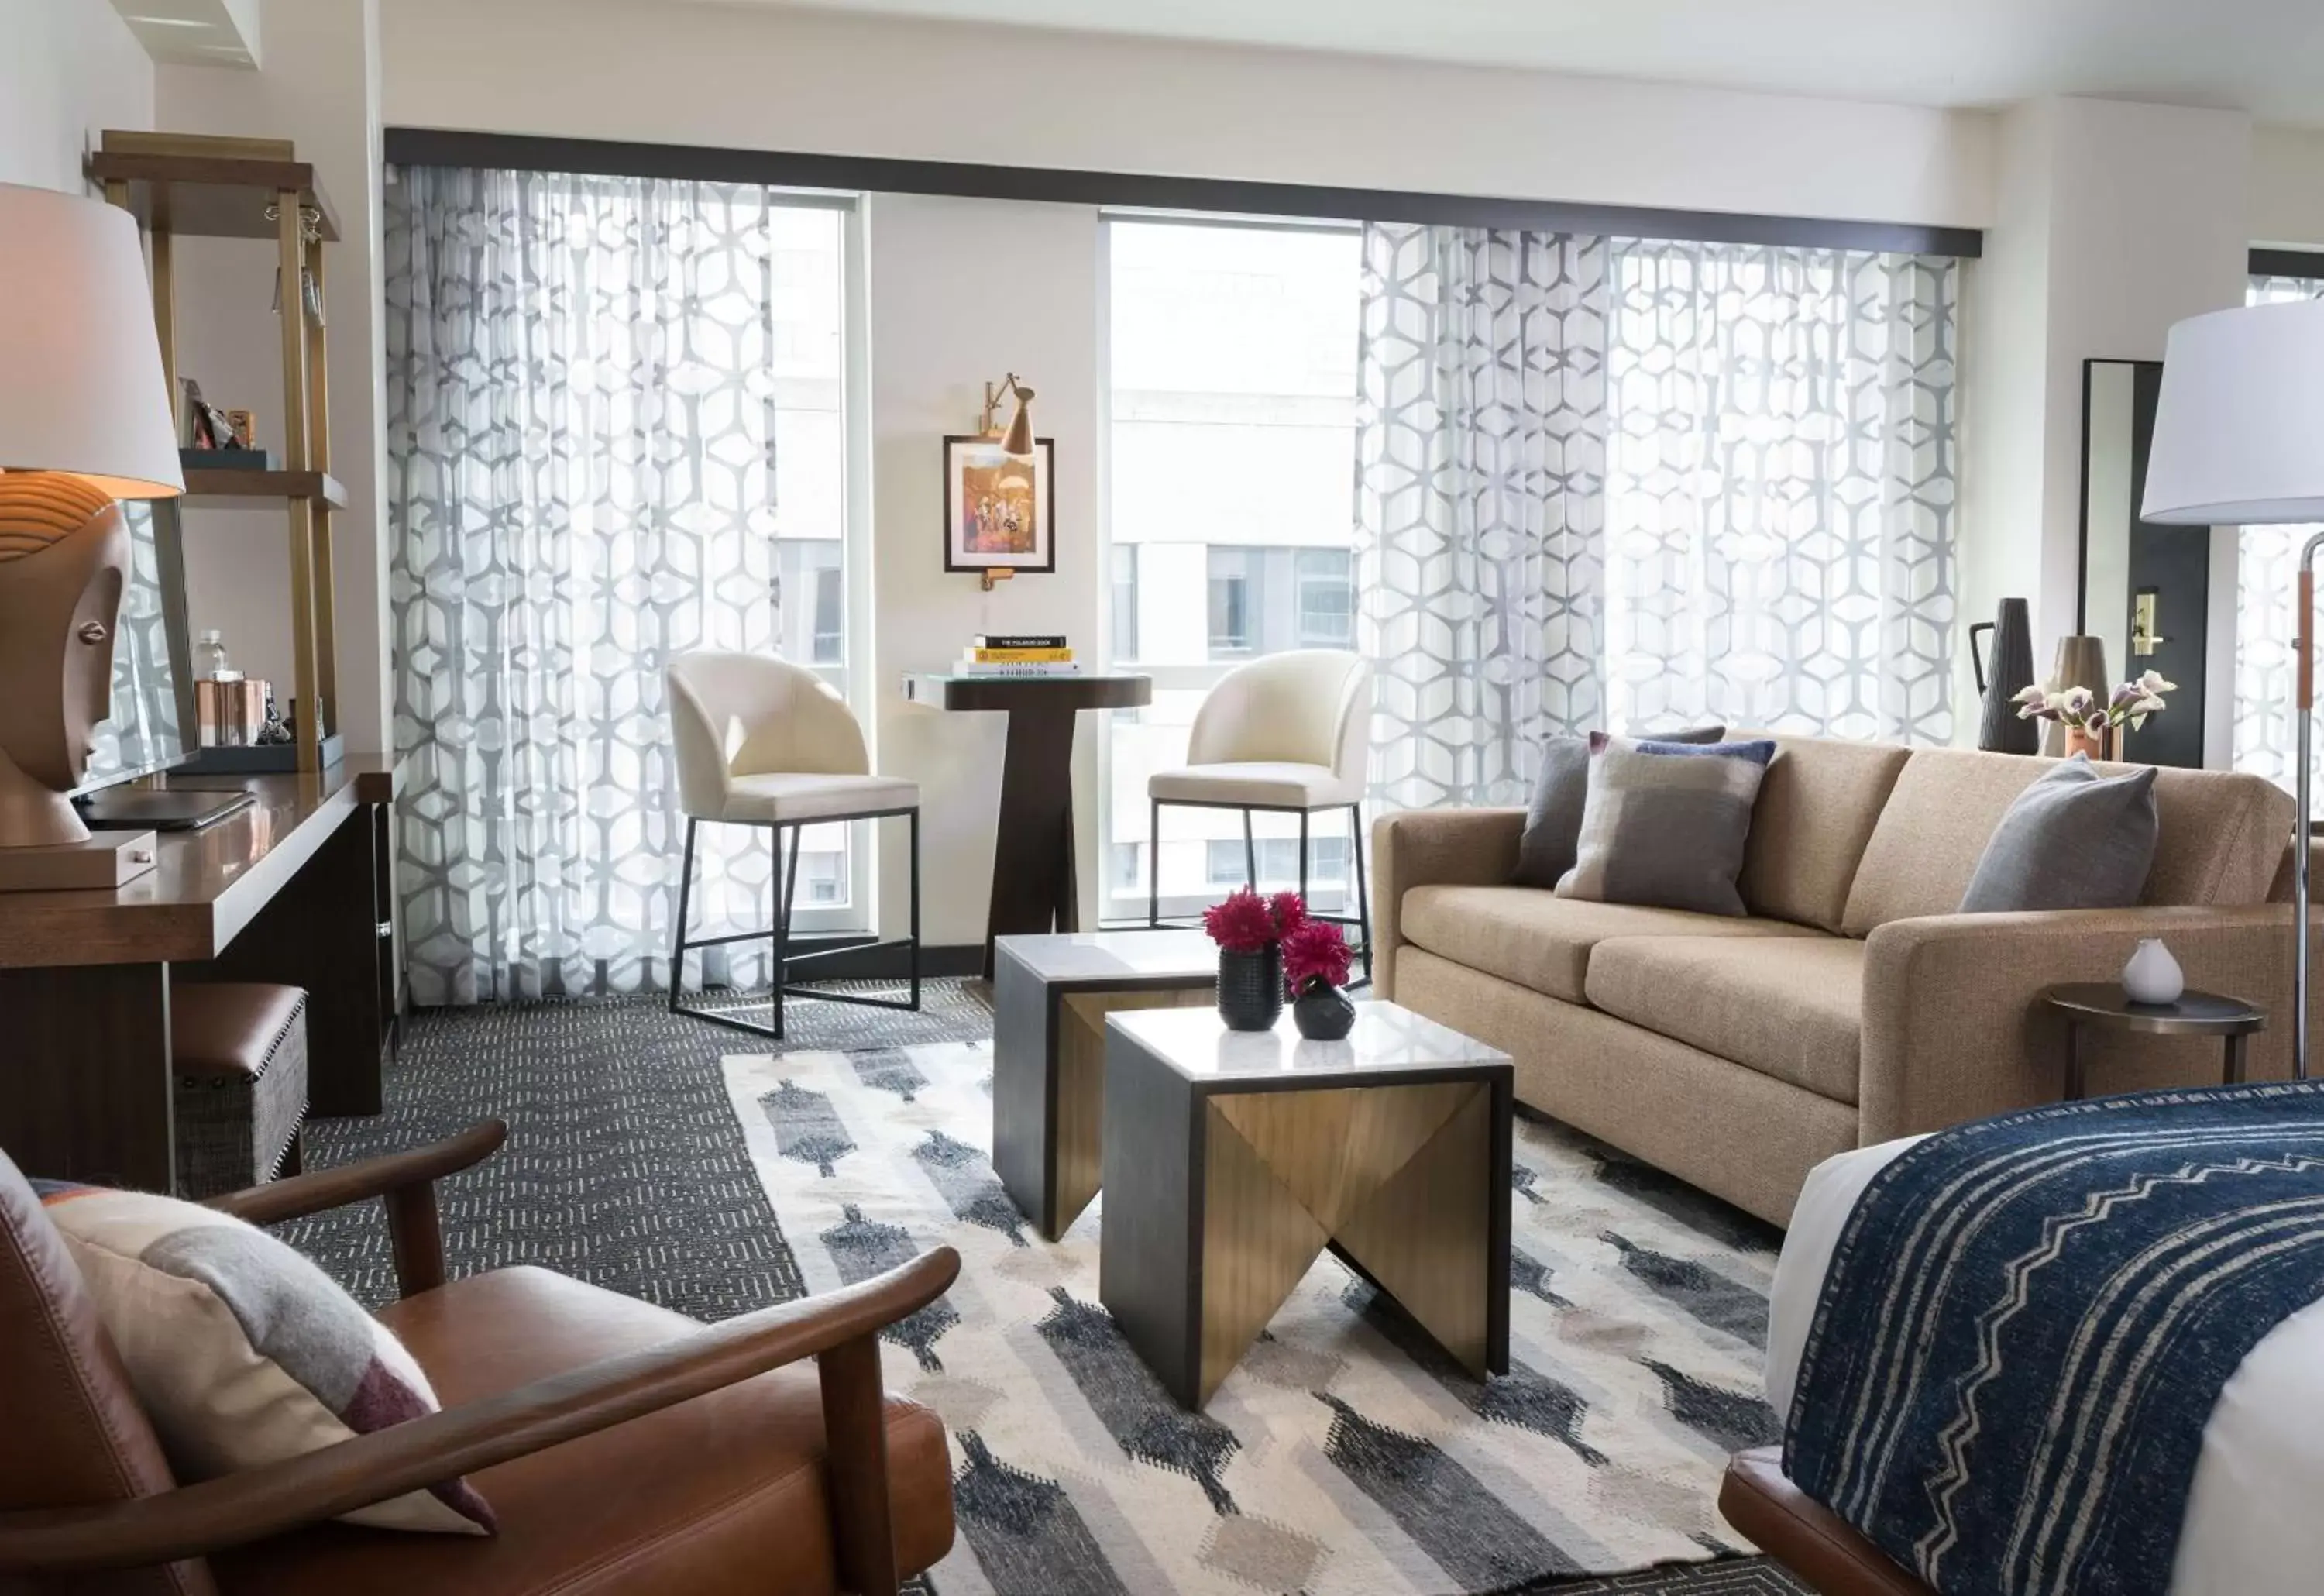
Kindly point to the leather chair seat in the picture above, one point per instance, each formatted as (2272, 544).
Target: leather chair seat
(228, 1028)
(720, 1496)
(1278, 783)
(767, 799)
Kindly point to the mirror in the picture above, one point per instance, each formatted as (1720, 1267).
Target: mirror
(2146, 589)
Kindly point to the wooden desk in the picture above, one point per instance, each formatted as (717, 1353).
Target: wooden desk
(1033, 888)
(294, 888)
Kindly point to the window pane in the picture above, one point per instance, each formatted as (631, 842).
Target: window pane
(1231, 508)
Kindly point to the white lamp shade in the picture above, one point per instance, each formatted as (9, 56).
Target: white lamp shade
(2239, 427)
(81, 388)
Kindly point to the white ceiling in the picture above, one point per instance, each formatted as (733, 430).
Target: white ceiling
(2264, 56)
(196, 33)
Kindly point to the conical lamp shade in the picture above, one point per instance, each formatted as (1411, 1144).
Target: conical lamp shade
(1018, 438)
(83, 392)
(2239, 424)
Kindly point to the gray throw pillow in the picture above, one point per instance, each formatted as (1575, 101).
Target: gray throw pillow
(1553, 822)
(2075, 839)
(1665, 824)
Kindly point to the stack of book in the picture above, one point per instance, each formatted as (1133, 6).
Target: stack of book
(991, 654)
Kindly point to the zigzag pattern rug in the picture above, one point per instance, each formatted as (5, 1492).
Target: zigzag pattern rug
(1344, 1456)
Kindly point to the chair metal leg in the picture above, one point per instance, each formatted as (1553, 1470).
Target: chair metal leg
(1363, 892)
(1154, 867)
(916, 908)
(788, 892)
(678, 937)
(1302, 855)
(1249, 854)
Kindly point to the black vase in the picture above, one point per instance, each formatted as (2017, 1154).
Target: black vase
(1323, 1013)
(1250, 988)
(1999, 730)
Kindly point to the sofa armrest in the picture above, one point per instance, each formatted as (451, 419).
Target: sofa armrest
(1952, 1031)
(1434, 847)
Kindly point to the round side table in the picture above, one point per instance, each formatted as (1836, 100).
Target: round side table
(2103, 1006)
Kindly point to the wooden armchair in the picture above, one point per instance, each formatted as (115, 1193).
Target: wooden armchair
(624, 1447)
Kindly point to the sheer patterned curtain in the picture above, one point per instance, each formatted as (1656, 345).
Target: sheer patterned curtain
(2267, 564)
(1481, 497)
(1781, 490)
(1641, 484)
(581, 449)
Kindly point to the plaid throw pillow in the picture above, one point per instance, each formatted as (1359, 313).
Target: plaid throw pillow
(242, 1351)
(1665, 823)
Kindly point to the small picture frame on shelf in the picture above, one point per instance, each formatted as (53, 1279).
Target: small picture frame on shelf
(1000, 512)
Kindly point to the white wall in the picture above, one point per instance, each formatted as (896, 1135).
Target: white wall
(2112, 221)
(69, 70)
(961, 291)
(771, 77)
(319, 88)
(2287, 187)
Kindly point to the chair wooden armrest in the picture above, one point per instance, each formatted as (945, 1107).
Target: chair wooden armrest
(406, 1182)
(841, 1328)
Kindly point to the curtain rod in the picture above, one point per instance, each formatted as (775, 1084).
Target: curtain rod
(416, 146)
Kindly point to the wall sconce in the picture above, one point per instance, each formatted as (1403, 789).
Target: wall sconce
(1018, 439)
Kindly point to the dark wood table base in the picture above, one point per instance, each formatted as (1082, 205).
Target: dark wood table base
(1034, 888)
(1221, 1196)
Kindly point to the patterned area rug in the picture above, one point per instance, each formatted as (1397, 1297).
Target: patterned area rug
(1345, 1457)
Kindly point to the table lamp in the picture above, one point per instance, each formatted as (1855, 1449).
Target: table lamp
(84, 421)
(2239, 441)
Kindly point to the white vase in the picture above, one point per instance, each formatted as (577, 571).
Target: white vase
(2153, 976)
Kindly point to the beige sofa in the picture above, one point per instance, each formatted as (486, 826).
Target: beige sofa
(1854, 1004)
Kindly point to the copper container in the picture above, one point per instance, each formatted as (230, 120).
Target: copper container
(229, 713)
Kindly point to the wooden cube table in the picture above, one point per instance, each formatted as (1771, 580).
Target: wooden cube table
(1050, 998)
(1232, 1159)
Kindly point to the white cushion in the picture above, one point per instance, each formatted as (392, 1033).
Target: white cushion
(241, 1351)
(770, 799)
(1258, 781)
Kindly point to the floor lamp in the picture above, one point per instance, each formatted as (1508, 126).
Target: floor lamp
(2239, 441)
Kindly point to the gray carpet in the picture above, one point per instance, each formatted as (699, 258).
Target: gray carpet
(626, 1167)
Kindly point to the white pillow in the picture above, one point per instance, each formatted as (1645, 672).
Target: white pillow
(242, 1351)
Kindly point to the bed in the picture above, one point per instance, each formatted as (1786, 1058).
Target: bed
(2254, 1519)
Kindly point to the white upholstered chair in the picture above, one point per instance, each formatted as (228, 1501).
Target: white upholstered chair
(1290, 733)
(761, 742)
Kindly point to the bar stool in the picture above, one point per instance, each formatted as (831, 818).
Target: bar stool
(1288, 734)
(761, 742)
(238, 1059)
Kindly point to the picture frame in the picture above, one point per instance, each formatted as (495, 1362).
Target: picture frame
(995, 519)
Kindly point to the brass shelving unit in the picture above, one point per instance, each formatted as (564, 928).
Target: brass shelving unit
(181, 185)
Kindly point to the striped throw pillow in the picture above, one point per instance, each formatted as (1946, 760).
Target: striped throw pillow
(1665, 823)
(241, 1350)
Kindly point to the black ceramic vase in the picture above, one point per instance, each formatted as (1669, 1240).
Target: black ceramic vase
(1250, 988)
(2010, 672)
(1323, 1013)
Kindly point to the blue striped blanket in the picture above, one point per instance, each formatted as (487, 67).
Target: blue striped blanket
(2027, 1321)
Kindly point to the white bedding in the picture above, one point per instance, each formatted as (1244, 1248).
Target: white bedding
(2255, 1513)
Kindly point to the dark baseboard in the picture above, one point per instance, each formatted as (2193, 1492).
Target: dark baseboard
(855, 958)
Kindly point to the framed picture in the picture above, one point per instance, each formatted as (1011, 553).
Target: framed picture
(998, 508)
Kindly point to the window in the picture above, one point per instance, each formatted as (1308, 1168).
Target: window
(1327, 598)
(1278, 862)
(1233, 574)
(1125, 601)
(1231, 510)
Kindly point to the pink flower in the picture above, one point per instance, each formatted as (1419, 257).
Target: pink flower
(1242, 923)
(1315, 951)
(1290, 912)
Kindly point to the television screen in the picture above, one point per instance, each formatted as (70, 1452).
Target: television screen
(146, 732)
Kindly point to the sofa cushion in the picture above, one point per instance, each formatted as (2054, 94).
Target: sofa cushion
(1561, 790)
(1665, 822)
(1791, 1007)
(1536, 940)
(2220, 834)
(2076, 839)
(1818, 804)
